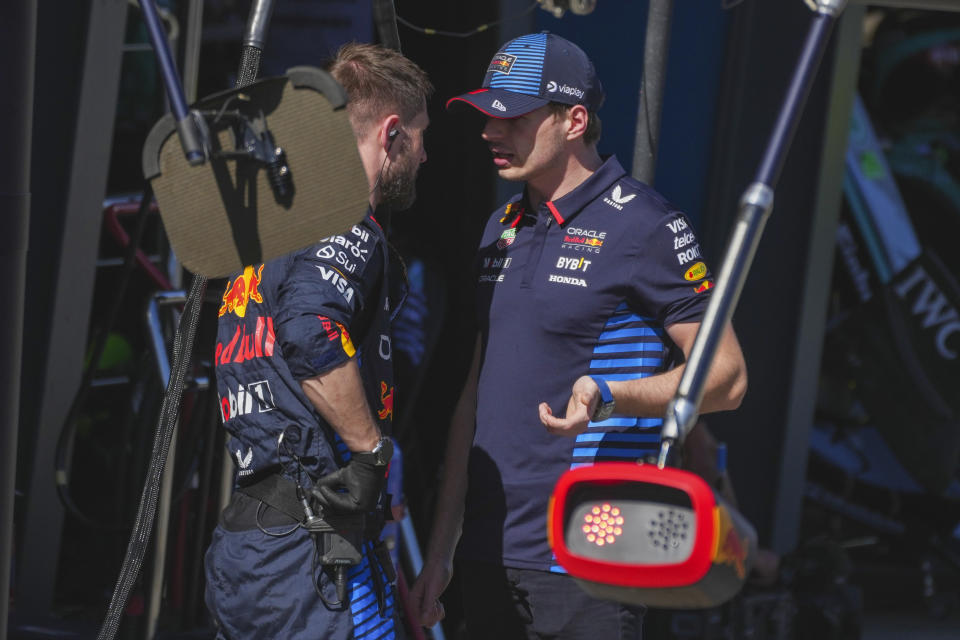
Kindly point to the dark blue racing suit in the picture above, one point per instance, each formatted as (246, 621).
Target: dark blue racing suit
(281, 322)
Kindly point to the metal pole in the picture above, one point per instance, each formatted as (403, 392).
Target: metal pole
(254, 40)
(755, 207)
(16, 103)
(192, 137)
(191, 52)
(159, 347)
(385, 17)
(656, 46)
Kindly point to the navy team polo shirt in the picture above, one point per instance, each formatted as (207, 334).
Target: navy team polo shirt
(583, 285)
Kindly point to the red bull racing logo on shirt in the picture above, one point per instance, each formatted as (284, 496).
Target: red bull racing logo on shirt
(241, 291)
(244, 346)
(588, 240)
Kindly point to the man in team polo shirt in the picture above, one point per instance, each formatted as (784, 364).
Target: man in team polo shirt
(590, 290)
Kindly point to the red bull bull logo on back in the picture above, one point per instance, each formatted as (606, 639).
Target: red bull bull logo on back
(241, 291)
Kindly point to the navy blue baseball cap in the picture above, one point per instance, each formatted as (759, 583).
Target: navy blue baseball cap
(531, 71)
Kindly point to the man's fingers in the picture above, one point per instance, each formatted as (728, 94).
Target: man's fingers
(549, 420)
(434, 613)
(329, 480)
(334, 499)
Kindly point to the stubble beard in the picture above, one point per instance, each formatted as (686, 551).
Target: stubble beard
(399, 188)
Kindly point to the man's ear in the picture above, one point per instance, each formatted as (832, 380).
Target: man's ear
(577, 118)
(389, 131)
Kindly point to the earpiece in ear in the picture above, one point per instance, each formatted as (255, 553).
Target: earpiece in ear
(393, 133)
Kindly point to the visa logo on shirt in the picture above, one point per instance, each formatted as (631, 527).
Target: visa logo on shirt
(335, 278)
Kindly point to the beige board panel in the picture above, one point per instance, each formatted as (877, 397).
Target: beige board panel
(330, 187)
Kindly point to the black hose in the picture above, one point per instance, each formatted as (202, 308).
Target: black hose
(99, 342)
(169, 411)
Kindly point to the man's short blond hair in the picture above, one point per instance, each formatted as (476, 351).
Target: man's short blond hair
(379, 81)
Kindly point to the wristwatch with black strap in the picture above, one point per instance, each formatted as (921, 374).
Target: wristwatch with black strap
(379, 456)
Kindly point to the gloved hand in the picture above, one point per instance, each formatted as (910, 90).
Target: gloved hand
(354, 488)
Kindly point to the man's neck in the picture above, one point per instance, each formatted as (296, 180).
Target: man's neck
(574, 172)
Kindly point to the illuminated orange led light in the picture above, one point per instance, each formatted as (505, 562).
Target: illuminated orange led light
(602, 524)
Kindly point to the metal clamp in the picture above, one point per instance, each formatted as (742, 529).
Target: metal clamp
(757, 194)
(832, 8)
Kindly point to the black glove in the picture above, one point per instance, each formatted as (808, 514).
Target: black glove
(362, 481)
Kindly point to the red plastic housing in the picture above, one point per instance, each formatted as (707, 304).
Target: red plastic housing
(679, 574)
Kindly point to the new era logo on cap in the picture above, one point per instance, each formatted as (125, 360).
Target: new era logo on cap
(533, 70)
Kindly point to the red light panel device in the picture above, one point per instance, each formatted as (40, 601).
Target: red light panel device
(643, 535)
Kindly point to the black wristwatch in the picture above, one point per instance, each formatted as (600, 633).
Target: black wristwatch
(606, 405)
(380, 455)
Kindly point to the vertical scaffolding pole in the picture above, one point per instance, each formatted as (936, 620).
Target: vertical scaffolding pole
(656, 46)
(16, 103)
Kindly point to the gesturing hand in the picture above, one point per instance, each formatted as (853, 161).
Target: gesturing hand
(581, 405)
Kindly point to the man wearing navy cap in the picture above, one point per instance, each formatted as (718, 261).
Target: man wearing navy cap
(590, 291)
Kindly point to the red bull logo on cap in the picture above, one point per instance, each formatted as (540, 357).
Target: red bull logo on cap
(502, 63)
(241, 291)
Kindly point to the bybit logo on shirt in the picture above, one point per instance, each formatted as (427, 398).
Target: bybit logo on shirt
(573, 264)
(617, 199)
